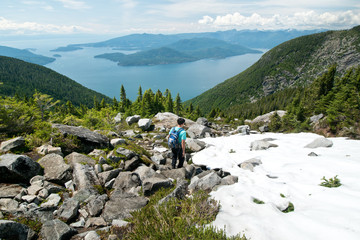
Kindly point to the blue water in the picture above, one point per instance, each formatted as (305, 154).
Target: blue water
(104, 76)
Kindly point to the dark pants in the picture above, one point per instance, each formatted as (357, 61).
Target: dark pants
(177, 154)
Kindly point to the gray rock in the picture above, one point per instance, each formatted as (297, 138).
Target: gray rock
(34, 189)
(96, 153)
(84, 177)
(30, 199)
(178, 173)
(8, 204)
(107, 167)
(117, 141)
(15, 230)
(195, 145)
(243, 130)
(266, 117)
(55, 169)
(145, 124)
(17, 168)
(203, 121)
(261, 145)
(128, 154)
(48, 149)
(109, 184)
(79, 158)
(10, 190)
(119, 223)
(56, 230)
(151, 185)
(158, 159)
(264, 128)
(229, 180)
(91, 140)
(12, 144)
(95, 222)
(198, 131)
(250, 164)
(98, 168)
(68, 210)
(84, 194)
(132, 119)
(179, 192)
(145, 172)
(52, 201)
(78, 224)
(96, 205)
(316, 118)
(320, 142)
(205, 183)
(128, 133)
(118, 118)
(122, 204)
(92, 235)
(132, 164)
(108, 175)
(312, 154)
(127, 180)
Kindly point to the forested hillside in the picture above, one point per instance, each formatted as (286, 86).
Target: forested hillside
(294, 63)
(25, 55)
(22, 78)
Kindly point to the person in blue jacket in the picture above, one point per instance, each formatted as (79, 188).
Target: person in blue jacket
(178, 149)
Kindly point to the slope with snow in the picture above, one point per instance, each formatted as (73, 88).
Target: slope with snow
(287, 174)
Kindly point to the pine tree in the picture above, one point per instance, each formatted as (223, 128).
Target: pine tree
(178, 106)
(44, 102)
(169, 104)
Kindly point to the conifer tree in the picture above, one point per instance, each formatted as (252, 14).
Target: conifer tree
(178, 106)
(96, 104)
(44, 102)
(169, 104)
(148, 103)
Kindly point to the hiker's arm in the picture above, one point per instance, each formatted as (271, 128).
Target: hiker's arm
(183, 147)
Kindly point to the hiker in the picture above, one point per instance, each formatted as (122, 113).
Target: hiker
(176, 141)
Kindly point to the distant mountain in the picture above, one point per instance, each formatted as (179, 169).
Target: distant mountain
(294, 63)
(25, 55)
(247, 38)
(186, 50)
(23, 78)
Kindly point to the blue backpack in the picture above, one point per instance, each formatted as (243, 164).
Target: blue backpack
(173, 140)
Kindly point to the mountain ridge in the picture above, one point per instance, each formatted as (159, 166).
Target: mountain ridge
(25, 55)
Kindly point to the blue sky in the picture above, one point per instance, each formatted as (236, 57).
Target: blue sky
(121, 17)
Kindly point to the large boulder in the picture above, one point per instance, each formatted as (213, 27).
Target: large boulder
(126, 181)
(151, 185)
(56, 230)
(132, 119)
(203, 121)
(79, 158)
(242, 129)
(96, 205)
(15, 230)
(145, 124)
(207, 182)
(18, 168)
(195, 145)
(104, 177)
(320, 142)
(85, 177)
(10, 190)
(198, 131)
(261, 145)
(179, 192)
(12, 144)
(68, 210)
(168, 120)
(90, 140)
(121, 204)
(266, 117)
(55, 169)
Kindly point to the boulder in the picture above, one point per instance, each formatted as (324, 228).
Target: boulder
(95, 222)
(55, 169)
(91, 140)
(96, 205)
(126, 181)
(198, 131)
(203, 121)
(118, 118)
(168, 120)
(145, 172)
(68, 210)
(151, 185)
(56, 230)
(145, 124)
(8, 204)
(320, 142)
(117, 141)
(128, 154)
(121, 204)
(316, 118)
(15, 230)
(84, 177)
(261, 145)
(229, 180)
(264, 128)
(266, 117)
(242, 129)
(108, 175)
(12, 144)
(10, 190)
(250, 164)
(17, 168)
(79, 158)
(132, 164)
(48, 149)
(178, 173)
(208, 182)
(92, 235)
(159, 159)
(179, 192)
(51, 201)
(132, 119)
(195, 145)
(97, 153)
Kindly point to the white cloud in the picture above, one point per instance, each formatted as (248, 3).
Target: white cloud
(33, 27)
(300, 20)
(72, 4)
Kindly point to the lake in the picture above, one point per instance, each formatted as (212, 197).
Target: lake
(187, 79)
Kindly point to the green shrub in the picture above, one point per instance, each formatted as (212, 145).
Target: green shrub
(257, 201)
(290, 208)
(331, 183)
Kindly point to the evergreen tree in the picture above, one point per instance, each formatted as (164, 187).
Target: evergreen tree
(148, 103)
(115, 104)
(44, 102)
(178, 106)
(96, 104)
(169, 104)
(124, 102)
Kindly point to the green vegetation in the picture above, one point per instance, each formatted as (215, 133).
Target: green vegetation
(257, 201)
(290, 208)
(176, 219)
(25, 55)
(293, 63)
(331, 183)
(22, 79)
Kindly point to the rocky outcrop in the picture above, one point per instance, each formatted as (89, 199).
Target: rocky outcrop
(145, 124)
(12, 144)
(17, 168)
(266, 117)
(55, 169)
(320, 142)
(198, 131)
